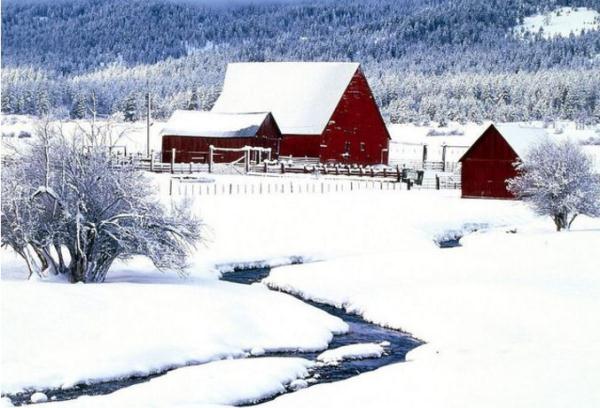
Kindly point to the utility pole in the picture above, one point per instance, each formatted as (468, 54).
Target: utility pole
(148, 114)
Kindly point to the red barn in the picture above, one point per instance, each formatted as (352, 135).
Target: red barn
(191, 133)
(489, 161)
(325, 110)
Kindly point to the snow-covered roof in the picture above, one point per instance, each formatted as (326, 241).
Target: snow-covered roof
(521, 138)
(212, 124)
(302, 96)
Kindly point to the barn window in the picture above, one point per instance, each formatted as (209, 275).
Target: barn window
(347, 147)
(363, 146)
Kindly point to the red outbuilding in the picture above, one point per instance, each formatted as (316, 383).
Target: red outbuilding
(191, 133)
(325, 110)
(489, 162)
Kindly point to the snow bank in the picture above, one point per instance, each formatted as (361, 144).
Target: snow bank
(230, 382)
(509, 319)
(57, 335)
(351, 352)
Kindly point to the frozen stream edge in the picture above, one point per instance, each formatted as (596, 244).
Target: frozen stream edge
(397, 345)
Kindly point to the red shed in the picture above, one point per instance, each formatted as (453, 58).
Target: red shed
(192, 132)
(325, 110)
(489, 161)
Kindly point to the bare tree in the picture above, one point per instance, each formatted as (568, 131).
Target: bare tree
(71, 210)
(558, 180)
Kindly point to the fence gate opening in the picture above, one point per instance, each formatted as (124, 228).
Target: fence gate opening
(248, 155)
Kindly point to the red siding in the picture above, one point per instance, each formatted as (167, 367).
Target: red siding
(301, 145)
(195, 148)
(356, 132)
(355, 127)
(487, 165)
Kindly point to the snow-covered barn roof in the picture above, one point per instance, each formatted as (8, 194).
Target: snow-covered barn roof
(302, 96)
(521, 138)
(212, 124)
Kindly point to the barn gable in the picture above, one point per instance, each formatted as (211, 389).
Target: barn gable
(356, 131)
(301, 96)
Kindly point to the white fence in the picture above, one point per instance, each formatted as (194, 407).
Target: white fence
(190, 188)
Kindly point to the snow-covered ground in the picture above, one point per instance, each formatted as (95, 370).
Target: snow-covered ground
(228, 382)
(509, 318)
(351, 352)
(59, 335)
(561, 22)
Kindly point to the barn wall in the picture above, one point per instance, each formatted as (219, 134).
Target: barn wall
(487, 166)
(196, 149)
(356, 128)
(300, 145)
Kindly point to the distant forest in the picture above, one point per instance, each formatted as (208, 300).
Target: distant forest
(426, 60)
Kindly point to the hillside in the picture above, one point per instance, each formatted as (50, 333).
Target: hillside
(426, 60)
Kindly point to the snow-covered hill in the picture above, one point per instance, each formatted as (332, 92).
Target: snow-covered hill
(562, 22)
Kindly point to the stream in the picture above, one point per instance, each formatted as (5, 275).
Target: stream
(397, 344)
(360, 331)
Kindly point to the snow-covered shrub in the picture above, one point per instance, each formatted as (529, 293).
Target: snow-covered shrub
(67, 208)
(557, 179)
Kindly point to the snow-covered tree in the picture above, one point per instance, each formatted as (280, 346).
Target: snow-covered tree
(558, 180)
(67, 209)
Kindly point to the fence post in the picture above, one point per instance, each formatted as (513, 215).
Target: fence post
(444, 157)
(151, 160)
(170, 186)
(398, 173)
(247, 158)
(408, 184)
(173, 151)
(282, 168)
(230, 188)
(266, 167)
(191, 168)
(437, 182)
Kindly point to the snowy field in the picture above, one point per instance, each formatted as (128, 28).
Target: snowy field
(509, 318)
(562, 22)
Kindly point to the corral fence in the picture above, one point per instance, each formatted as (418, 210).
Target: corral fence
(429, 175)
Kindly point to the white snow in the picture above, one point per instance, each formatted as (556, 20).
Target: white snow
(521, 138)
(301, 95)
(509, 319)
(58, 335)
(351, 352)
(38, 397)
(228, 382)
(211, 124)
(561, 22)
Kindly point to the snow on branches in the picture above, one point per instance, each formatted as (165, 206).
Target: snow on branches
(557, 179)
(69, 209)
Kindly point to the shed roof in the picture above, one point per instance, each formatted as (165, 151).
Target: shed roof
(519, 138)
(212, 124)
(302, 96)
